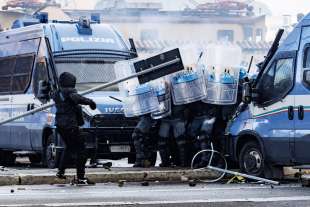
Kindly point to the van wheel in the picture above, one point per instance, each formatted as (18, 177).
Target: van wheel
(7, 158)
(51, 156)
(251, 159)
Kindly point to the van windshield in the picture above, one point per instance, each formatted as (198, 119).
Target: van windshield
(89, 71)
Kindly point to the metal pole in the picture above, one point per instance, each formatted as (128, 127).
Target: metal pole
(244, 175)
(106, 85)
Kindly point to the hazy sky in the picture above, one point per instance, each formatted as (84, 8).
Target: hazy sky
(293, 7)
(278, 7)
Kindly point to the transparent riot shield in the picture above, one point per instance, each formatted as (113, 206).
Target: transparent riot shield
(222, 86)
(188, 86)
(162, 91)
(124, 69)
(137, 99)
(140, 101)
(222, 73)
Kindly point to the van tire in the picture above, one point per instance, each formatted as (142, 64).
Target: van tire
(51, 160)
(251, 159)
(7, 158)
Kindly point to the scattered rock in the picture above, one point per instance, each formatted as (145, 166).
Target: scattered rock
(145, 183)
(192, 183)
(121, 183)
(184, 179)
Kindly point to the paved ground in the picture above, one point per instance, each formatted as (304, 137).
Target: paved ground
(157, 194)
(23, 174)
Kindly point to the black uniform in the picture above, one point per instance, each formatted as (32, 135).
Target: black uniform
(177, 123)
(68, 119)
(142, 141)
(201, 127)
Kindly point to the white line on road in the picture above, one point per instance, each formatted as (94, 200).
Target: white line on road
(256, 200)
(94, 190)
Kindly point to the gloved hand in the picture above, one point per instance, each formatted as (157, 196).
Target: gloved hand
(93, 105)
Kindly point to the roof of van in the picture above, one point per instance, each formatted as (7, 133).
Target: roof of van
(23, 33)
(291, 43)
(66, 36)
(305, 21)
(103, 36)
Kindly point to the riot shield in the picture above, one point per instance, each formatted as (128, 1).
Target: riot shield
(124, 69)
(222, 74)
(137, 99)
(140, 101)
(162, 91)
(188, 86)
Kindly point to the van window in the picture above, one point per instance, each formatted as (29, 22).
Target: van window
(277, 81)
(89, 73)
(22, 73)
(6, 68)
(15, 73)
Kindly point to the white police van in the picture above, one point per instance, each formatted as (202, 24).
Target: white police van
(87, 49)
(274, 129)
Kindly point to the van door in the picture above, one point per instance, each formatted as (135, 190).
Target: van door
(274, 114)
(302, 101)
(22, 101)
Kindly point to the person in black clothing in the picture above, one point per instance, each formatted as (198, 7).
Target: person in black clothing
(68, 119)
(201, 127)
(176, 123)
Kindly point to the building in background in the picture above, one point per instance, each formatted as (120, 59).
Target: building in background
(154, 27)
(159, 24)
(8, 17)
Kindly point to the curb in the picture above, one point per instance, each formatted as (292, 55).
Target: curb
(104, 177)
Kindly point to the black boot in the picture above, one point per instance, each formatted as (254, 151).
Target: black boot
(61, 175)
(138, 144)
(164, 152)
(205, 144)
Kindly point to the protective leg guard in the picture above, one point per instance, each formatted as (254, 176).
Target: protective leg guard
(164, 152)
(138, 144)
(205, 144)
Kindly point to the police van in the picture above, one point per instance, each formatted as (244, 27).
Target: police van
(273, 130)
(86, 48)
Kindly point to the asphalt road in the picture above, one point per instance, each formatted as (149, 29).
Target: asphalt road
(156, 194)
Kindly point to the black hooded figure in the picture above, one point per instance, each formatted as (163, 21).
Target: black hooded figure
(68, 119)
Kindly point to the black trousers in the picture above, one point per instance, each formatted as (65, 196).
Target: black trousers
(74, 146)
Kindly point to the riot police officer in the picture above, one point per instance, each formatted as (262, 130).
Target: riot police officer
(177, 123)
(68, 119)
(203, 117)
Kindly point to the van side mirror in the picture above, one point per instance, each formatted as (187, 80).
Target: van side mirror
(246, 93)
(44, 90)
(306, 77)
